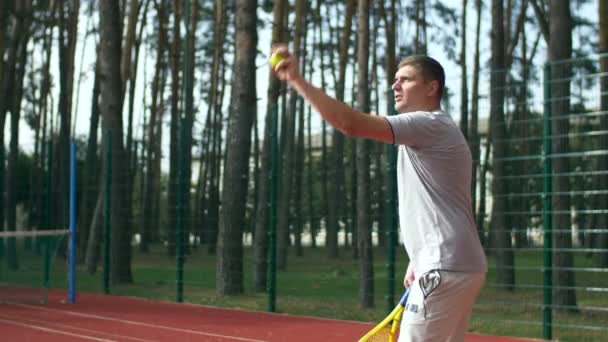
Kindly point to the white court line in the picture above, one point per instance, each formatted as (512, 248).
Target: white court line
(147, 325)
(55, 331)
(67, 326)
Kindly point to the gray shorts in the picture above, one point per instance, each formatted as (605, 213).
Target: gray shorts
(439, 306)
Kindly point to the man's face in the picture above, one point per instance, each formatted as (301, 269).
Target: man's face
(412, 92)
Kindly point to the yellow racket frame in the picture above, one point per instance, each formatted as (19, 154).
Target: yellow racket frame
(394, 317)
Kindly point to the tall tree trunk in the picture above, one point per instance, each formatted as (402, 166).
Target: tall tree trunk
(175, 60)
(378, 149)
(307, 148)
(299, 155)
(45, 142)
(350, 213)
(216, 161)
(159, 192)
(129, 75)
(7, 36)
(310, 169)
(68, 34)
(129, 66)
(186, 122)
(111, 110)
(210, 226)
(37, 175)
(560, 48)
(516, 222)
(364, 222)
(505, 275)
(23, 13)
(324, 151)
(4, 30)
(390, 20)
(255, 177)
(203, 181)
(288, 150)
(321, 216)
(229, 276)
(152, 176)
(189, 123)
(464, 90)
(336, 186)
(91, 171)
(474, 140)
(523, 131)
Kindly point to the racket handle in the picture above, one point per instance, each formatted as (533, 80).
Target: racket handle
(404, 298)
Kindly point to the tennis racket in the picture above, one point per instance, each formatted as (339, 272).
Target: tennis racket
(386, 331)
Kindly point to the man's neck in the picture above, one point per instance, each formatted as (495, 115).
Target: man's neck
(428, 108)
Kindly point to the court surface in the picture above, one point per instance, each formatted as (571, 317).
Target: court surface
(114, 318)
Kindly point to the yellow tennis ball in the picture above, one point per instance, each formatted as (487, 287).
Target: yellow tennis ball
(275, 58)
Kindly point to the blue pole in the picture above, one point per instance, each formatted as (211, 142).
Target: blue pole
(72, 249)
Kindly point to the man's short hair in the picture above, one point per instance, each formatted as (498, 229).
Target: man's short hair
(430, 69)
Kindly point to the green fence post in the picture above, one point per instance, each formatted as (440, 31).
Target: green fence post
(547, 220)
(72, 236)
(391, 222)
(47, 194)
(106, 226)
(180, 217)
(272, 227)
(46, 282)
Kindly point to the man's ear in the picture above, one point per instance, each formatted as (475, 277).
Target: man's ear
(433, 88)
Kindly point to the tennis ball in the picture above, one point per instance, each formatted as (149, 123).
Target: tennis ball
(275, 58)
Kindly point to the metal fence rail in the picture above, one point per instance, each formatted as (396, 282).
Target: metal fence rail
(555, 202)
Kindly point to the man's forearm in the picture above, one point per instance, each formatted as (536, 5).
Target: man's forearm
(343, 117)
(336, 113)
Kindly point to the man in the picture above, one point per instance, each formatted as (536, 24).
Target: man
(447, 264)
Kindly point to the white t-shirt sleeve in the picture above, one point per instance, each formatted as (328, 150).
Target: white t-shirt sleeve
(414, 129)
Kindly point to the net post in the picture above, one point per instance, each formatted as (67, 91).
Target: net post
(547, 207)
(72, 236)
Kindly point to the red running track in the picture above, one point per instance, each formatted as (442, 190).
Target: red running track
(112, 318)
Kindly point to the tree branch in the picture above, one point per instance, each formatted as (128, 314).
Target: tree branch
(518, 28)
(541, 16)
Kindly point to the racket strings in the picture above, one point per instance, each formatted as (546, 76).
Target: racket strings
(381, 336)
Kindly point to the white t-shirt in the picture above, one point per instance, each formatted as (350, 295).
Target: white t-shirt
(434, 188)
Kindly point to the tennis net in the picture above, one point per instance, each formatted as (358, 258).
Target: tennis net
(31, 264)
